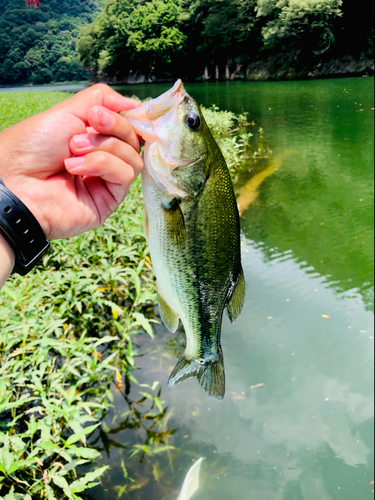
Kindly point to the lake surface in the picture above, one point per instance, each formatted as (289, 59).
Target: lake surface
(63, 87)
(297, 420)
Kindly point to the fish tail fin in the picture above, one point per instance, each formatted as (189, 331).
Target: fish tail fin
(212, 378)
(210, 375)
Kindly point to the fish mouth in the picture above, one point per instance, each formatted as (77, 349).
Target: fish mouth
(141, 118)
(155, 108)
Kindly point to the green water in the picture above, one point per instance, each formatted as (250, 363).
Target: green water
(306, 433)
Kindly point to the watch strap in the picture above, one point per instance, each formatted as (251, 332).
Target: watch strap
(22, 231)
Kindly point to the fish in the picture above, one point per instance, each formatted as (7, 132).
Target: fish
(192, 226)
(192, 481)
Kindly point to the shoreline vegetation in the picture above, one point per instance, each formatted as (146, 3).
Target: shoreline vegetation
(140, 41)
(273, 69)
(69, 338)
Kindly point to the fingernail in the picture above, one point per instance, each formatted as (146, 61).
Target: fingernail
(72, 163)
(82, 141)
(106, 119)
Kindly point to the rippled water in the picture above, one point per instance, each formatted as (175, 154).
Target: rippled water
(297, 421)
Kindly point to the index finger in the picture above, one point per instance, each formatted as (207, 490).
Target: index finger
(113, 124)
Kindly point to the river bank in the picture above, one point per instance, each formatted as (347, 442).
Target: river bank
(286, 66)
(56, 87)
(277, 68)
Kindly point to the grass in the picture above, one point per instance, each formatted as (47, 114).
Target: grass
(16, 106)
(69, 331)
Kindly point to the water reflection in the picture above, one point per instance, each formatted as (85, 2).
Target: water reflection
(320, 215)
(297, 419)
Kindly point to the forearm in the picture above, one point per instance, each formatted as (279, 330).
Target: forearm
(6, 260)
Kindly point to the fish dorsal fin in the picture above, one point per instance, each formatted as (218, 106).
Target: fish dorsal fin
(191, 484)
(145, 224)
(170, 319)
(238, 299)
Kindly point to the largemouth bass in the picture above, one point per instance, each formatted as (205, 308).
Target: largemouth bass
(192, 226)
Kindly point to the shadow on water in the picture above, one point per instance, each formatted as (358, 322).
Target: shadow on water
(297, 420)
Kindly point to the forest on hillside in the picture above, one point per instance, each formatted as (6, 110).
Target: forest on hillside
(38, 44)
(183, 37)
(70, 40)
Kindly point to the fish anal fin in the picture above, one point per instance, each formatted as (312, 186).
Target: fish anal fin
(145, 224)
(170, 319)
(210, 375)
(237, 301)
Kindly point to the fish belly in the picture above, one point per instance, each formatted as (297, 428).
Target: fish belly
(175, 276)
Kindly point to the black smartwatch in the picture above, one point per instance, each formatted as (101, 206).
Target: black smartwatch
(22, 231)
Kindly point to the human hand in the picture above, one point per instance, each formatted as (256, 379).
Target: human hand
(73, 164)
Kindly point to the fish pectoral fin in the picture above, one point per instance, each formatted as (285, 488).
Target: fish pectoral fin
(175, 222)
(237, 301)
(210, 375)
(145, 224)
(170, 319)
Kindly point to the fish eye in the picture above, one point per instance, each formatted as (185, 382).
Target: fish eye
(193, 121)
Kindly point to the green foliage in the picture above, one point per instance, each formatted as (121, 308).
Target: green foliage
(304, 21)
(230, 132)
(142, 34)
(156, 36)
(68, 335)
(152, 30)
(220, 25)
(18, 106)
(56, 42)
(39, 44)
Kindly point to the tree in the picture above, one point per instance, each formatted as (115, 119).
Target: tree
(303, 23)
(153, 31)
(220, 27)
(134, 34)
(33, 40)
(181, 37)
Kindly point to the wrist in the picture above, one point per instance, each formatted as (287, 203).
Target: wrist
(22, 231)
(7, 260)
